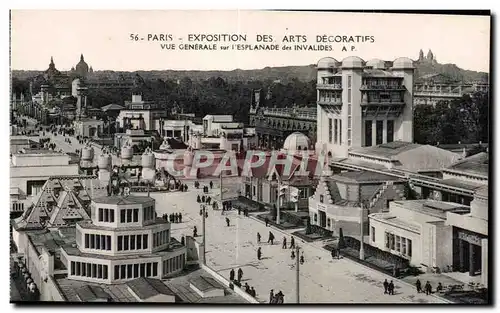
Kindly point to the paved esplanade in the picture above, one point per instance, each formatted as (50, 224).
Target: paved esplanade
(322, 280)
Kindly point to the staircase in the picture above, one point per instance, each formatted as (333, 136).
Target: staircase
(374, 199)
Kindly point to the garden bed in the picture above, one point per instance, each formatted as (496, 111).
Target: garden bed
(309, 237)
(283, 224)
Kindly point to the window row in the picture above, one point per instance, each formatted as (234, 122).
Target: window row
(379, 129)
(99, 242)
(126, 271)
(89, 270)
(174, 264)
(148, 213)
(106, 215)
(132, 242)
(398, 243)
(160, 238)
(129, 215)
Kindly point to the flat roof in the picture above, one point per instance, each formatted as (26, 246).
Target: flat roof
(124, 200)
(392, 219)
(476, 164)
(363, 176)
(204, 283)
(145, 287)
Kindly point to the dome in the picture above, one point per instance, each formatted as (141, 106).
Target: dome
(376, 64)
(148, 159)
(87, 153)
(403, 63)
(82, 67)
(188, 157)
(352, 62)
(296, 141)
(327, 62)
(104, 161)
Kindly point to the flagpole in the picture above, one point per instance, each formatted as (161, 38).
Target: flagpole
(278, 204)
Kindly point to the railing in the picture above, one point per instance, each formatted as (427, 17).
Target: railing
(380, 101)
(329, 86)
(330, 102)
(382, 87)
(437, 94)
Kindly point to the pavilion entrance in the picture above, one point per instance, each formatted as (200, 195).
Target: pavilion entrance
(467, 252)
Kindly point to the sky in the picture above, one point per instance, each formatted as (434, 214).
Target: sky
(104, 38)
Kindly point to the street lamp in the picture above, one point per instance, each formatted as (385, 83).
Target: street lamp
(297, 287)
(363, 208)
(203, 212)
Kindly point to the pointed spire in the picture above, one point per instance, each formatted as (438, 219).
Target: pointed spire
(81, 57)
(51, 60)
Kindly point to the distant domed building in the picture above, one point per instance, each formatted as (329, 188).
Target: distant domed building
(82, 68)
(296, 141)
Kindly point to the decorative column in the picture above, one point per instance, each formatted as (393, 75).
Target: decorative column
(461, 254)
(374, 132)
(472, 260)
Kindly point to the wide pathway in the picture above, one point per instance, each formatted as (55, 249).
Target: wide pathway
(322, 280)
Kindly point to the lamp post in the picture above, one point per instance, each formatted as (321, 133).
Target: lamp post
(362, 231)
(203, 210)
(297, 279)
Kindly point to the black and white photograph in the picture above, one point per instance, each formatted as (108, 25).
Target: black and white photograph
(249, 157)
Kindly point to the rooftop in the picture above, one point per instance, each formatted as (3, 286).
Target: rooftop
(123, 200)
(145, 287)
(476, 164)
(392, 219)
(204, 283)
(363, 177)
(91, 293)
(434, 208)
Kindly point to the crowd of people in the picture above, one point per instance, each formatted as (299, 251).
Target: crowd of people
(173, 217)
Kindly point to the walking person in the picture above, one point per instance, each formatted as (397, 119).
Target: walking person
(386, 287)
(418, 284)
(259, 253)
(271, 296)
(428, 288)
(270, 238)
(211, 184)
(281, 297)
(293, 255)
(258, 237)
(267, 221)
(239, 210)
(195, 232)
(227, 221)
(284, 243)
(292, 242)
(391, 288)
(247, 288)
(302, 258)
(253, 293)
(180, 217)
(334, 254)
(240, 274)
(231, 275)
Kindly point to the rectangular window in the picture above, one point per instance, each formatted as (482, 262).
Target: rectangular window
(155, 269)
(84, 269)
(379, 134)
(387, 240)
(78, 267)
(349, 81)
(72, 268)
(99, 271)
(321, 198)
(349, 95)
(89, 269)
(340, 131)
(106, 215)
(132, 242)
(349, 124)
(390, 130)
(143, 270)
(398, 244)
(145, 241)
(336, 130)
(111, 215)
(122, 216)
(123, 270)
(105, 272)
(368, 133)
(154, 239)
(409, 247)
(125, 242)
(330, 132)
(108, 242)
(403, 246)
(120, 243)
(139, 242)
(393, 245)
(129, 215)
(129, 271)
(98, 242)
(87, 241)
(373, 234)
(94, 270)
(136, 215)
(92, 241)
(136, 270)
(148, 269)
(117, 272)
(101, 215)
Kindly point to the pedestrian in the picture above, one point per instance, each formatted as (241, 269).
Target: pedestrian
(259, 253)
(231, 275)
(292, 242)
(258, 237)
(201, 212)
(171, 217)
(439, 287)
(195, 232)
(418, 284)
(391, 288)
(302, 258)
(227, 221)
(247, 288)
(211, 185)
(208, 200)
(183, 242)
(386, 286)
(206, 214)
(246, 212)
(203, 199)
(333, 253)
(428, 288)
(176, 217)
(180, 217)
(270, 238)
(271, 296)
(293, 255)
(239, 210)
(284, 243)
(281, 298)
(252, 292)
(198, 199)
(240, 274)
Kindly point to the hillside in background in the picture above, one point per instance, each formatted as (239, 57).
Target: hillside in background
(283, 74)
